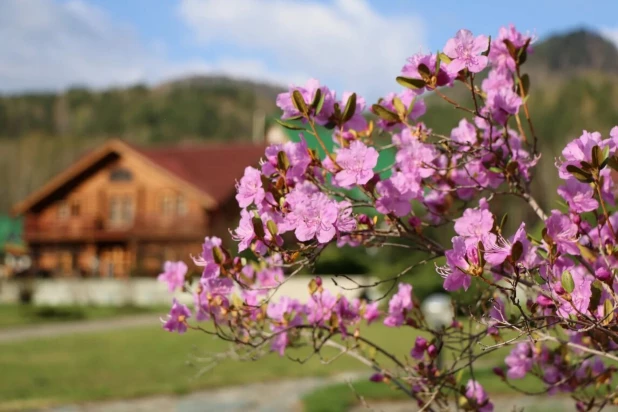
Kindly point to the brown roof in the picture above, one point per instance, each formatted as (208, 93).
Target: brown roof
(212, 168)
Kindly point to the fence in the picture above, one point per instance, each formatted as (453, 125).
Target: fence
(149, 292)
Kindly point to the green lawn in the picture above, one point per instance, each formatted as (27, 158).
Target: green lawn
(23, 315)
(141, 361)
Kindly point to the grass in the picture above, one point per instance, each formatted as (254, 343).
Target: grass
(142, 361)
(24, 315)
(147, 360)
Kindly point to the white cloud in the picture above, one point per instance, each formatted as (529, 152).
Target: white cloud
(610, 34)
(51, 45)
(54, 44)
(345, 42)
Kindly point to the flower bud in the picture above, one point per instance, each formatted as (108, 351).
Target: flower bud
(377, 377)
(499, 372)
(432, 351)
(364, 219)
(603, 274)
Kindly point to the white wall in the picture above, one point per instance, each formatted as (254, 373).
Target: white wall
(147, 292)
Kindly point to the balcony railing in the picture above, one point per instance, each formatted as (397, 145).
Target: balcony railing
(98, 229)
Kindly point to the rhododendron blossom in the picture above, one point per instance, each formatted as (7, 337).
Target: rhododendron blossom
(539, 285)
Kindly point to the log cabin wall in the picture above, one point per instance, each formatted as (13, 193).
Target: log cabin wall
(125, 219)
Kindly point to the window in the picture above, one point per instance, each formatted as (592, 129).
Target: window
(120, 175)
(63, 210)
(173, 205)
(121, 210)
(74, 209)
(167, 205)
(181, 205)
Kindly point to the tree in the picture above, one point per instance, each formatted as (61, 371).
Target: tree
(551, 296)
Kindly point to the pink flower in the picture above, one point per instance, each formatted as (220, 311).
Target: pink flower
(320, 307)
(420, 346)
(563, 232)
(371, 312)
(173, 274)
(284, 101)
(579, 196)
(313, 216)
(464, 133)
(250, 188)
(458, 259)
(465, 51)
(474, 224)
(476, 394)
(399, 305)
(357, 163)
(407, 97)
(499, 54)
(519, 361)
(207, 259)
(410, 69)
(176, 320)
(297, 153)
(503, 103)
(395, 195)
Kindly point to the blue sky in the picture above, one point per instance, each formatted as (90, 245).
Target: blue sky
(355, 45)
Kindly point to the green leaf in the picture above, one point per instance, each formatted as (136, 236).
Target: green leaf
(437, 68)
(258, 227)
(299, 102)
(608, 312)
(516, 250)
(481, 252)
(596, 156)
(283, 163)
(495, 169)
(384, 113)
(316, 98)
(595, 299)
(505, 219)
(613, 162)
(411, 83)
(567, 281)
(511, 48)
(399, 106)
(445, 58)
(522, 54)
(548, 239)
(525, 81)
(350, 108)
(424, 71)
(272, 228)
(579, 174)
(486, 52)
(313, 286)
(289, 126)
(319, 105)
(218, 255)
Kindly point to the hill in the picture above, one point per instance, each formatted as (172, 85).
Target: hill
(574, 87)
(41, 134)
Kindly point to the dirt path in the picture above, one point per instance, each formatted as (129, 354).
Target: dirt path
(70, 328)
(281, 396)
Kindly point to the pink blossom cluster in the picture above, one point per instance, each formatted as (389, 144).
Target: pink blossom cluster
(298, 200)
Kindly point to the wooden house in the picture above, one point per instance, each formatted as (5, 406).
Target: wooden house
(123, 210)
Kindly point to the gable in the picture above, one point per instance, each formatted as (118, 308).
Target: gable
(94, 163)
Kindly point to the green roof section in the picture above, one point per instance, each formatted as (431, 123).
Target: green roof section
(11, 232)
(385, 160)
